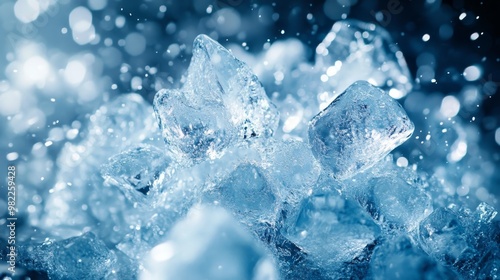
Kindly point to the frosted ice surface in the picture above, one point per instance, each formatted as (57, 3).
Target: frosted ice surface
(209, 244)
(133, 171)
(397, 258)
(330, 229)
(355, 50)
(221, 103)
(358, 129)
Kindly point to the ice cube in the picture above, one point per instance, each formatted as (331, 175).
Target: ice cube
(397, 258)
(443, 235)
(133, 171)
(292, 261)
(330, 229)
(254, 183)
(81, 257)
(395, 203)
(354, 50)
(220, 104)
(209, 244)
(485, 213)
(358, 129)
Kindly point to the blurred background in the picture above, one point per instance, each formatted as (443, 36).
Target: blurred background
(60, 60)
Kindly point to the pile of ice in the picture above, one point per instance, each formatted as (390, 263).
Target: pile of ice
(297, 185)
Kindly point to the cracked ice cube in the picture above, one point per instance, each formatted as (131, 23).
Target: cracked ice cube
(221, 102)
(330, 229)
(358, 129)
(356, 50)
(209, 244)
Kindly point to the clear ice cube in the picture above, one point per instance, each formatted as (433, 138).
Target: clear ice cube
(209, 244)
(354, 50)
(330, 229)
(358, 129)
(221, 103)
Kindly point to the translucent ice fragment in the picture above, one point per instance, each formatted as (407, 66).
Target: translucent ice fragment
(398, 258)
(358, 129)
(134, 171)
(443, 235)
(355, 50)
(330, 229)
(209, 244)
(247, 193)
(268, 174)
(485, 213)
(221, 102)
(394, 202)
(190, 131)
(81, 257)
